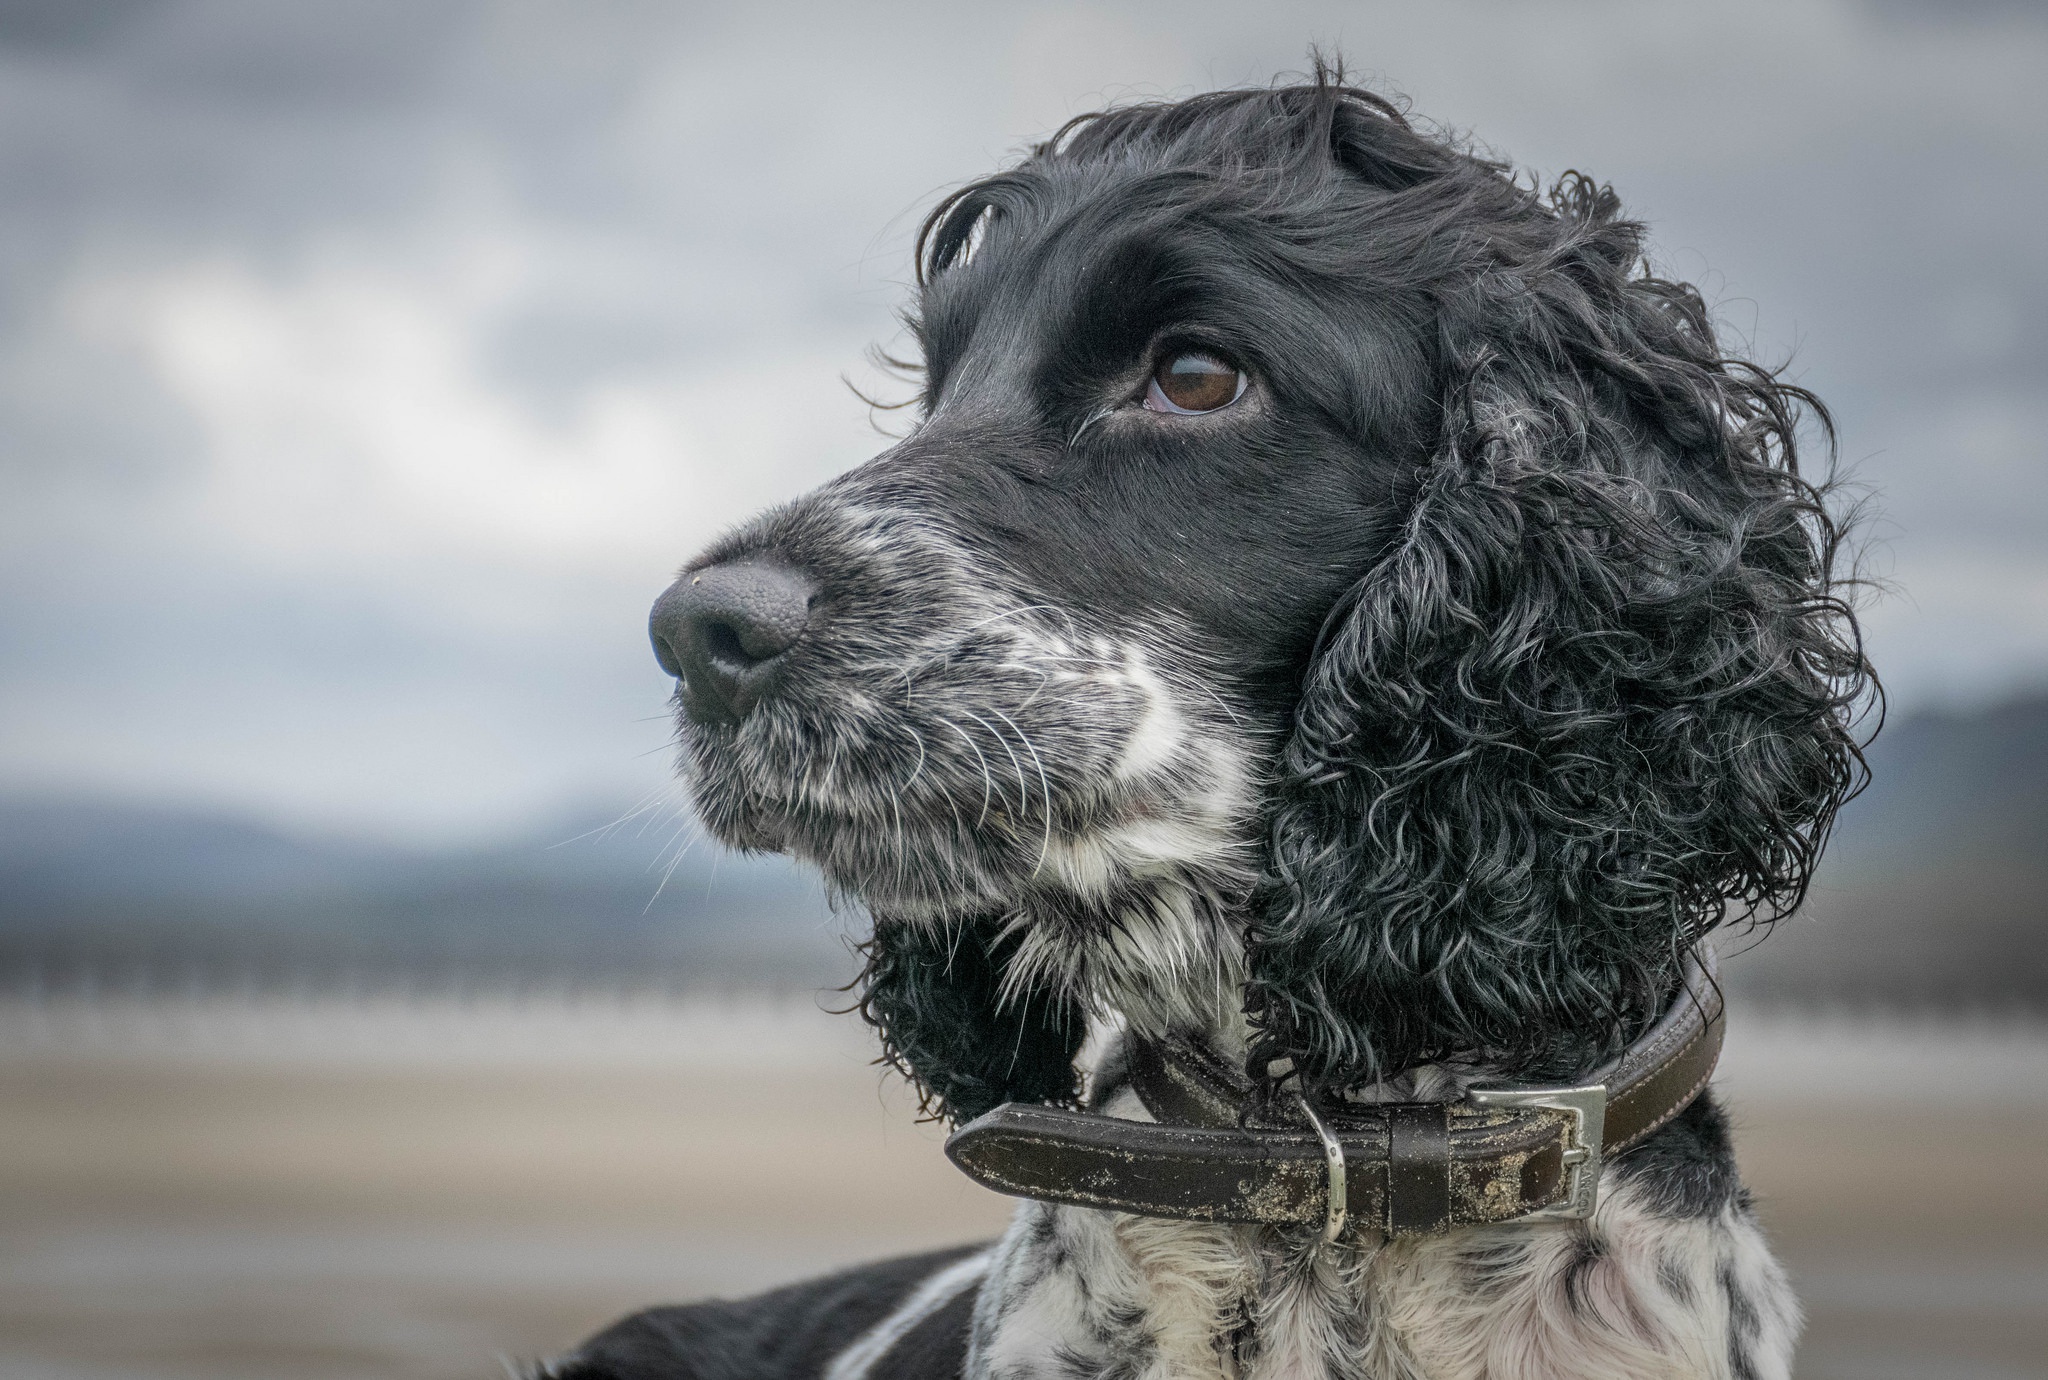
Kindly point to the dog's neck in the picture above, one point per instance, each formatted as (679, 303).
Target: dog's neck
(1162, 960)
(1168, 964)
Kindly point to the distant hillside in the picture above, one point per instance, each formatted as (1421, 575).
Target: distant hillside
(1953, 788)
(118, 887)
(1935, 889)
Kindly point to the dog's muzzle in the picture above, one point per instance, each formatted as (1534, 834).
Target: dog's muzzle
(723, 632)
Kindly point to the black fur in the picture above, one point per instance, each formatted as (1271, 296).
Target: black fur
(1592, 699)
(788, 1333)
(1687, 1168)
(1504, 578)
(1743, 1326)
(933, 994)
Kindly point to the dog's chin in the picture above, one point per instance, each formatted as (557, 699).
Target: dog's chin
(1085, 807)
(902, 863)
(910, 870)
(905, 868)
(1120, 893)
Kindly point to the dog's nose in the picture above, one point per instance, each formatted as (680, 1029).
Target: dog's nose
(722, 631)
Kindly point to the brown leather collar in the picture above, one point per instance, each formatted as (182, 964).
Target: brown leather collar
(1512, 1153)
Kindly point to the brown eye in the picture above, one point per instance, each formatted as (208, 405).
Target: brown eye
(1193, 383)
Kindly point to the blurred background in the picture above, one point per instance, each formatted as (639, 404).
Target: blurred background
(368, 1007)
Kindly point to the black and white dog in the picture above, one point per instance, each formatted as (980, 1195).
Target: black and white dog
(1337, 610)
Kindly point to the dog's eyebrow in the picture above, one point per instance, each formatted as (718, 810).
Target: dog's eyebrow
(1107, 311)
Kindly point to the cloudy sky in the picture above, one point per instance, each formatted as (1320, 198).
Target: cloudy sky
(365, 368)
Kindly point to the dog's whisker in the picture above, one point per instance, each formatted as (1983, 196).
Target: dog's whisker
(1091, 420)
(918, 770)
(1203, 688)
(987, 780)
(1017, 612)
(1044, 679)
(901, 837)
(647, 805)
(1045, 790)
(1023, 790)
(688, 839)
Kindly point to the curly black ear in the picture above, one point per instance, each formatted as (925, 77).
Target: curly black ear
(936, 995)
(1596, 697)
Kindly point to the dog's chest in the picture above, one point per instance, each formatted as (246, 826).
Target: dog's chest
(1081, 1293)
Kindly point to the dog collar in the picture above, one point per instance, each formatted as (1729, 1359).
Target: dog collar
(1506, 1153)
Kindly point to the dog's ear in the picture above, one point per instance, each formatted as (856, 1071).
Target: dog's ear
(935, 993)
(1592, 701)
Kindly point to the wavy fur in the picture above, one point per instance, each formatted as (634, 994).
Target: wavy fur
(1595, 702)
(936, 997)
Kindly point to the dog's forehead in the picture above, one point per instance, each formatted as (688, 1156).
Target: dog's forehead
(1066, 286)
(1073, 238)
(991, 318)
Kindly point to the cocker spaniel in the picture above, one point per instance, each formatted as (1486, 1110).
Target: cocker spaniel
(1340, 633)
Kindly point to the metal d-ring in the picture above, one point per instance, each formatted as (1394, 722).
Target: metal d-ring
(1334, 1208)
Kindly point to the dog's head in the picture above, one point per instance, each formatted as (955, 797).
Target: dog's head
(1327, 582)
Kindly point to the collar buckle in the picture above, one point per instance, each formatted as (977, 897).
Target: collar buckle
(1336, 1194)
(1585, 1108)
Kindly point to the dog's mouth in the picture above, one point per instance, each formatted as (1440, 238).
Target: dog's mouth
(1006, 763)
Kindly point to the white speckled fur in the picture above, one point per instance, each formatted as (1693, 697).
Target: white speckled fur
(1654, 1298)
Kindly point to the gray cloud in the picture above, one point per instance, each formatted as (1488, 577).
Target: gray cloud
(365, 367)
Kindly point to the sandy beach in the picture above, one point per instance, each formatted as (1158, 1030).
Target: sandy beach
(425, 1190)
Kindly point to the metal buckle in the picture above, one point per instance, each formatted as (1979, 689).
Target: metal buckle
(1336, 1201)
(1587, 1108)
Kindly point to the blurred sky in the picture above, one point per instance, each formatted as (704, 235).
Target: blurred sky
(367, 368)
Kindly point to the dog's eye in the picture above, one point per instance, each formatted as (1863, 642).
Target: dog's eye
(1193, 383)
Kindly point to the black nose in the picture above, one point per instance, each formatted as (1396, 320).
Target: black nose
(723, 631)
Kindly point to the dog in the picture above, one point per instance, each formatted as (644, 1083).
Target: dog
(1339, 621)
